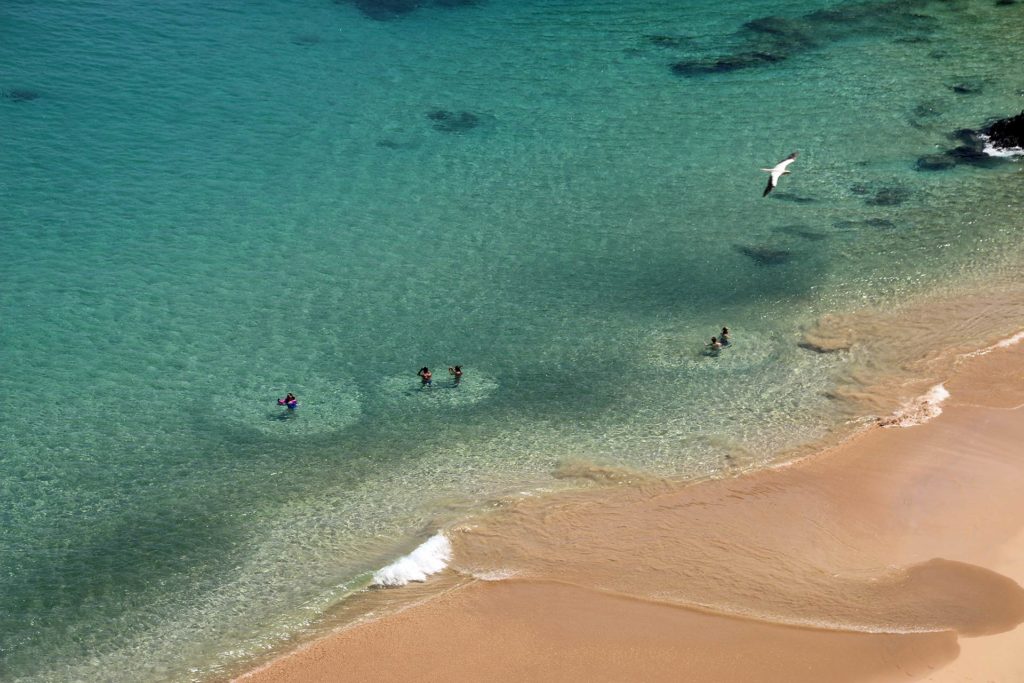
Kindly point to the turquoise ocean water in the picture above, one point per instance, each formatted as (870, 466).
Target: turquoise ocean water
(206, 205)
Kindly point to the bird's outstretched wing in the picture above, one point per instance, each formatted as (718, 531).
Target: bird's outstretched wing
(777, 172)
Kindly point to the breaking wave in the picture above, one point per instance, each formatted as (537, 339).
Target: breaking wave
(994, 151)
(429, 558)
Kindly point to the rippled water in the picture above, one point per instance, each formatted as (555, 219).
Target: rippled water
(207, 207)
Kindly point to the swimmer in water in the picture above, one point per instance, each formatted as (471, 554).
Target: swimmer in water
(456, 372)
(289, 401)
(714, 344)
(425, 376)
(724, 337)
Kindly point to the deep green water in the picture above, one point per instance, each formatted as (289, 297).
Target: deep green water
(203, 207)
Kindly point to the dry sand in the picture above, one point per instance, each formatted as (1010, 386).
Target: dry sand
(903, 548)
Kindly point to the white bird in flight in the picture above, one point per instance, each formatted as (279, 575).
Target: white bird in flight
(780, 169)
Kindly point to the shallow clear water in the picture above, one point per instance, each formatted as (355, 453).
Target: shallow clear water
(204, 208)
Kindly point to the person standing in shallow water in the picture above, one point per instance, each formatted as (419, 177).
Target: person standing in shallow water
(724, 337)
(425, 377)
(714, 344)
(456, 372)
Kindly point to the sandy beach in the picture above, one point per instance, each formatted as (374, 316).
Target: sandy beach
(897, 555)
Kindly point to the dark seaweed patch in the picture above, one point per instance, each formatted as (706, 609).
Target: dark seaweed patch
(927, 110)
(780, 33)
(453, 122)
(305, 39)
(935, 162)
(725, 64)
(876, 223)
(967, 87)
(914, 40)
(802, 232)
(818, 348)
(388, 143)
(923, 113)
(965, 136)
(387, 10)
(383, 10)
(665, 40)
(772, 39)
(888, 196)
(793, 198)
(765, 255)
(969, 154)
(19, 95)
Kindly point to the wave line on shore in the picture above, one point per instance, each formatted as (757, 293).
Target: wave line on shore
(919, 410)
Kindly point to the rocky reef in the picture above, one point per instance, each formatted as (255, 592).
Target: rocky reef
(1006, 134)
(1003, 135)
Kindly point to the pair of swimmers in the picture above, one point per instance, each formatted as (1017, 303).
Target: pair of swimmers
(720, 341)
(426, 377)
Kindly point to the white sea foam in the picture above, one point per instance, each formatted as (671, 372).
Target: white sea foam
(994, 151)
(919, 410)
(1001, 344)
(1010, 341)
(429, 558)
(495, 574)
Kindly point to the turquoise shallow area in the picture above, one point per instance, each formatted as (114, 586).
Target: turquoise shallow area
(204, 207)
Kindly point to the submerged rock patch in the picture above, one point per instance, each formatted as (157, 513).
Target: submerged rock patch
(765, 255)
(453, 121)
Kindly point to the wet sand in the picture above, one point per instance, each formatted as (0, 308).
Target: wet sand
(535, 631)
(897, 555)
